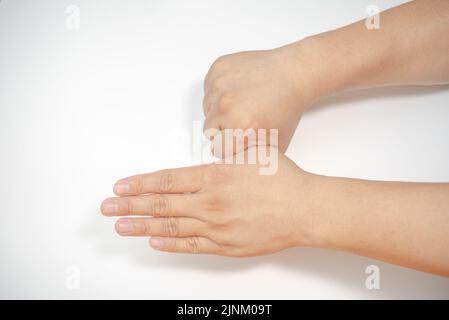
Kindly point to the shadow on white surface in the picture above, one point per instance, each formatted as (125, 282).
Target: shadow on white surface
(346, 269)
(335, 267)
(195, 102)
(380, 93)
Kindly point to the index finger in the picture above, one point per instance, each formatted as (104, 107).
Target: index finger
(180, 180)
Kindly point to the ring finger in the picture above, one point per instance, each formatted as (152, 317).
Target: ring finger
(157, 205)
(163, 227)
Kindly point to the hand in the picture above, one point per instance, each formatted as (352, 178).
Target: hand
(259, 90)
(225, 209)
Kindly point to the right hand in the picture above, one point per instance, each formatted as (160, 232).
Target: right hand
(267, 89)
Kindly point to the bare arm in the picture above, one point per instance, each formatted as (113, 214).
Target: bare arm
(233, 210)
(272, 88)
(401, 223)
(411, 47)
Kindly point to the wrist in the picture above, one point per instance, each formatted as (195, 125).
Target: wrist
(309, 228)
(300, 73)
(313, 68)
(338, 60)
(331, 69)
(324, 212)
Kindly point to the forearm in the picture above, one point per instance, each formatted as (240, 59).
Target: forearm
(401, 223)
(410, 48)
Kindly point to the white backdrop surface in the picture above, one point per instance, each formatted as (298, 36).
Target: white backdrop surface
(118, 96)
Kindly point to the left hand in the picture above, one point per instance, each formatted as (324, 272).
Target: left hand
(225, 209)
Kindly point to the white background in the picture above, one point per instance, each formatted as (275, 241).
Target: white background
(80, 109)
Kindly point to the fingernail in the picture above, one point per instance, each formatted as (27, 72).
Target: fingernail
(109, 206)
(124, 227)
(122, 188)
(157, 242)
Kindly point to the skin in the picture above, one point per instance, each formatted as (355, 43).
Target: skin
(232, 210)
(212, 209)
(273, 88)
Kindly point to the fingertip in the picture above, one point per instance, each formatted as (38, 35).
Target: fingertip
(109, 207)
(122, 187)
(124, 227)
(156, 243)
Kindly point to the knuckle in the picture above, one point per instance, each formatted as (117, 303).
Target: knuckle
(170, 226)
(217, 173)
(224, 102)
(213, 203)
(221, 226)
(211, 173)
(129, 206)
(192, 244)
(146, 228)
(218, 84)
(166, 182)
(139, 185)
(160, 205)
(206, 105)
